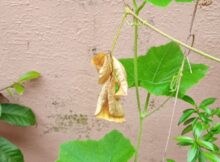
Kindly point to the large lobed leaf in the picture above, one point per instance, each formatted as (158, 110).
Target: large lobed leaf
(158, 68)
(9, 152)
(164, 3)
(112, 147)
(17, 115)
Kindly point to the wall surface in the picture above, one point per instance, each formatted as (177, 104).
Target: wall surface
(55, 37)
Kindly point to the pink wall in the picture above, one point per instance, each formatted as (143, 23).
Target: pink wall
(55, 37)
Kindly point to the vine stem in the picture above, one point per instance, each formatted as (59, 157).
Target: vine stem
(140, 131)
(144, 22)
(118, 32)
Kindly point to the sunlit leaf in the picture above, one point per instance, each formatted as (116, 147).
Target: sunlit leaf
(192, 153)
(9, 152)
(112, 147)
(158, 69)
(207, 102)
(18, 88)
(29, 76)
(164, 3)
(184, 141)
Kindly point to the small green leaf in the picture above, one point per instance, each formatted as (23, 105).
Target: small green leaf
(212, 157)
(206, 145)
(18, 88)
(207, 102)
(187, 129)
(29, 76)
(189, 100)
(160, 3)
(9, 152)
(186, 114)
(112, 147)
(216, 112)
(17, 115)
(204, 118)
(170, 160)
(216, 129)
(184, 141)
(192, 153)
(190, 120)
(201, 157)
(197, 129)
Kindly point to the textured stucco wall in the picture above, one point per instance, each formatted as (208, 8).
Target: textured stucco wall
(54, 37)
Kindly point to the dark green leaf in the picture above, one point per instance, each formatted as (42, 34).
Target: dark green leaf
(158, 69)
(17, 115)
(186, 114)
(207, 102)
(18, 88)
(192, 153)
(190, 120)
(9, 152)
(187, 129)
(189, 100)
(112, 147)
(216, 129)
(184, 141)
(29, 76)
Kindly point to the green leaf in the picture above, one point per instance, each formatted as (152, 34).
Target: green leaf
(197, 129)
(207, 145)
(9, 152)
(184, 0)
(189, 100)
(212, 157)
(207, 102)
(184, 141)
(17, 115)
(161, 3)
(159, 68)
(190, 120)
(18, 88)
(29, 76)
(164, 3)
(187, 129)
(170, 160)
(201, 157)
(186, 114)
(112, 147)
(216, 129)
(192, 153)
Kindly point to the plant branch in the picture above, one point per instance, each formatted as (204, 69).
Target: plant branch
(147, 103)
(136, 65)
(118, 32)
(140, 7)
(140, 132)
(135, 4)
(156, 109)
(129, 11)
